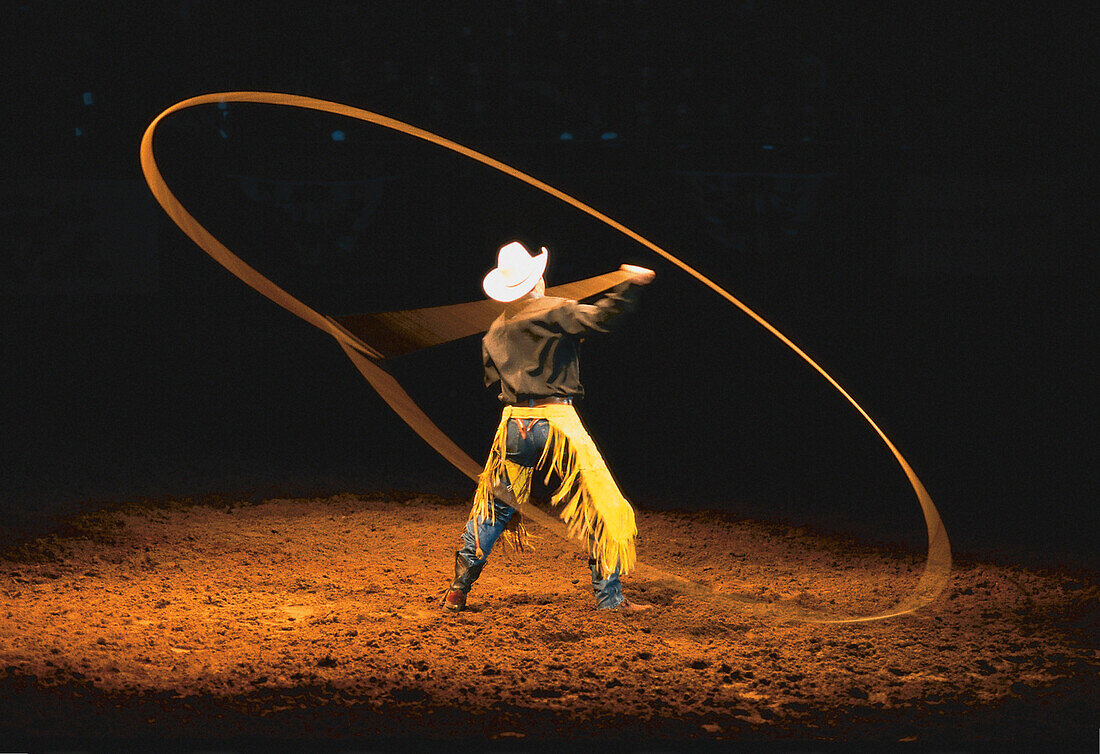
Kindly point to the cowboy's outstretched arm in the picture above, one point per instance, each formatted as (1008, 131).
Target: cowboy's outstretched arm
(577, 319)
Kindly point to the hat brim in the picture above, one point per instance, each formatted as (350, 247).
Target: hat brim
(498, 290)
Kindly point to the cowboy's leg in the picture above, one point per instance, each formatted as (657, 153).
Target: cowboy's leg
(483, 532)
(525, 442)
(608, 591)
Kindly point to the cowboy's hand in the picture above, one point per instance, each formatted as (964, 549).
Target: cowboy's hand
(640, 275)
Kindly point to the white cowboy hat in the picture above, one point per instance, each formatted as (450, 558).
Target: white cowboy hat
(516, 273)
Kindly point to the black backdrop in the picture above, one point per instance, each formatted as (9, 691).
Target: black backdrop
(893, 190)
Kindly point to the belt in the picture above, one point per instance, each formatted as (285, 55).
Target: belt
(533, 402)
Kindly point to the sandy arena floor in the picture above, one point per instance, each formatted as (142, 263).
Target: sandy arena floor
(319, 620)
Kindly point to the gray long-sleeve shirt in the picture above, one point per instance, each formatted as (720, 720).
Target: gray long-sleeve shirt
(532, 346)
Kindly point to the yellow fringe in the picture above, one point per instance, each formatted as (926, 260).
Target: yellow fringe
(593, 508)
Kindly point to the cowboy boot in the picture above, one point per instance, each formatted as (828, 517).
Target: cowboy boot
(609, 592)
(465, 576)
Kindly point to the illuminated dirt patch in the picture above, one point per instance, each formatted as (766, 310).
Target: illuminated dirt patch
(331, 607)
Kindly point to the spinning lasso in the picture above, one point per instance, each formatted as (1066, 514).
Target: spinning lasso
(401, 332)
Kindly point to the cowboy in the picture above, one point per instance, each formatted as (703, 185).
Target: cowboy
(531, 349)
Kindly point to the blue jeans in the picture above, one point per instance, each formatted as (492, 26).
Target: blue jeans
(525, 448)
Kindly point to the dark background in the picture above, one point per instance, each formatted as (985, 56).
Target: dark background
(891, 186)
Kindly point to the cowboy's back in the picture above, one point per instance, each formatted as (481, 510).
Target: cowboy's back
(531, 348)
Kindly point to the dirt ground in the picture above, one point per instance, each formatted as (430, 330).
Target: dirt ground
(319, 620)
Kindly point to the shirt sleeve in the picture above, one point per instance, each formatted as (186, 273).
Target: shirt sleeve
(578, 319)
(491, 373)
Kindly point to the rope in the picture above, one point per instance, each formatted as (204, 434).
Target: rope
(937, 566)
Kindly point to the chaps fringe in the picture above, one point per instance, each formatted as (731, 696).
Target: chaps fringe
(593, 508)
